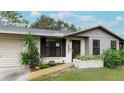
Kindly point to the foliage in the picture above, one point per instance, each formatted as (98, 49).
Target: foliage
(52, 63)
(72, 27)
(88, 57)
(113, 58)
(42, 66)
(121, 52)
(30, 55)
(24, 58)
(11, 17)
(44, 22)
(31, 47)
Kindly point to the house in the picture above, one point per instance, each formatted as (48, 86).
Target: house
(61, 46)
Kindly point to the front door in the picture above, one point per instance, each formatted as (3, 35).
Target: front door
(75, 48)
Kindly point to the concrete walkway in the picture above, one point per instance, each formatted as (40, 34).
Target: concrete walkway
(15, 74)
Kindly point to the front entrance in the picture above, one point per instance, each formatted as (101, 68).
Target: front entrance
(75, 48)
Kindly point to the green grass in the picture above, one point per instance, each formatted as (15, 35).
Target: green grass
(99, 74)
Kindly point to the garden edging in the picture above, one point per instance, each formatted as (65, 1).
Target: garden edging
(38, 74)
(88, 63)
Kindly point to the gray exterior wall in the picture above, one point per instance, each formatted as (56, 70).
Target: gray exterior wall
(104, 37)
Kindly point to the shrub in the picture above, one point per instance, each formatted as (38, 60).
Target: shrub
(112, 58)
(121, 52)
(52, 63)
(94, 57)
(42, 66)
(24, 58)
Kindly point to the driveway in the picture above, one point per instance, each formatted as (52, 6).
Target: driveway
(14, 74)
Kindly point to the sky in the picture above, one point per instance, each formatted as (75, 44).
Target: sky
(112, 20)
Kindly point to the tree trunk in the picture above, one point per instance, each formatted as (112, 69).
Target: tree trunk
(32, 66)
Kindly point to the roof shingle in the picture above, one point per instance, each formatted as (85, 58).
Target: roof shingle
(44, 32)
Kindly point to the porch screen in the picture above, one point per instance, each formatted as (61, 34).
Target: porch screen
(53, 47)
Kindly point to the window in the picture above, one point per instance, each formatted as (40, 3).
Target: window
(96, 47)
(50, 47)
(113, 44)
(121, 45)
(53, 47)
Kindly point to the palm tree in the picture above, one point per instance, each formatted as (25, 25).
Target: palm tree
(31, 55)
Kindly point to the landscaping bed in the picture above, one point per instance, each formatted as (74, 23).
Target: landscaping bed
(47, 65)
(40, 73)
(88, 62)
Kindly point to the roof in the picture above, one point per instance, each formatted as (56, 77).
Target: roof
(52, 33)
(122, 36)
(101, 27)
(38, 32)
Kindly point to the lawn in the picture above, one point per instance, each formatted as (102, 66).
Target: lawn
(99, 74)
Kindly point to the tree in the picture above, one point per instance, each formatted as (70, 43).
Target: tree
(12, 18)
(60, 24)
(31, 55)
(79, 28)
(44, 22)
(66, 25)
(72, 28)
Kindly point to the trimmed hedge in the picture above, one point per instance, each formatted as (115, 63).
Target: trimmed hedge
(113, 58)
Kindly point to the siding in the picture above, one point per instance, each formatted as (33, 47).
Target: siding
(104, 37)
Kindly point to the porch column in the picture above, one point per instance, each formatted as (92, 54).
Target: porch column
(68, 51)
(38, 43)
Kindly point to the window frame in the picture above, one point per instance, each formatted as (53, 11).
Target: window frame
(57, 48)
(96, 49)
(115, 43)
(53, 50)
